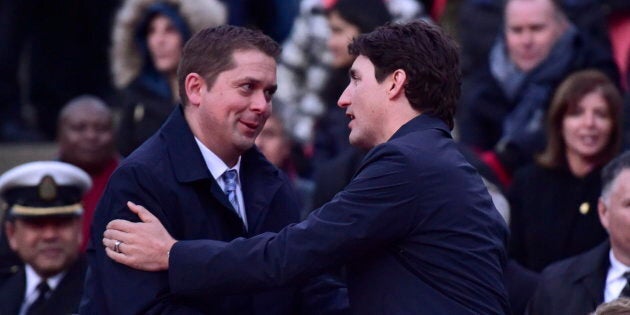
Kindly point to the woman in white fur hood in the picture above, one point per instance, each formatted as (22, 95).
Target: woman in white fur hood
(148, 37)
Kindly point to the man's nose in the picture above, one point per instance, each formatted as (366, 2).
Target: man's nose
(344, 99)
(261, 103)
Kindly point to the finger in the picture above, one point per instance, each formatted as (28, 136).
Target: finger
(117, 257)
(120, 225)
(111, 244)
(114, 235)
(144, 214)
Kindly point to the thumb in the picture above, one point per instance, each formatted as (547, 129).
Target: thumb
(144, 214)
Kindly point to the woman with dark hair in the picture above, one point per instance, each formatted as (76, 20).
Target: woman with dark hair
(554, 201)
(148, 38)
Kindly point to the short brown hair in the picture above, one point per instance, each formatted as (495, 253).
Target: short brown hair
(566, 99)
(428, 56)
(210, 52)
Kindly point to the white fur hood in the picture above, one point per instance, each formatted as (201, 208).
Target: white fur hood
(125, 56)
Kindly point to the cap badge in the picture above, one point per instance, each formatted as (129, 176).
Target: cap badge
(47, 188)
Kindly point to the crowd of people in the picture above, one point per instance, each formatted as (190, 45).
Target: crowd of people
(389, 149)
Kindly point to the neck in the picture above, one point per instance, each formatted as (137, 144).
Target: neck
(225, 153)
(580, 166)
(620, 256)
(402, 115)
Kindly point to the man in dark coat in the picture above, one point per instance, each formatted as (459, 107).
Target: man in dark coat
(578, 284)
(415, 227)
(182, 173)
(44, 228)
(503, 106)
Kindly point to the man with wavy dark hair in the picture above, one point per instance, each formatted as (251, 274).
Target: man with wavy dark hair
(415, 228)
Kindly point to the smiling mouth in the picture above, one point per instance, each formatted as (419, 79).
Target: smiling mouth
(250, 124)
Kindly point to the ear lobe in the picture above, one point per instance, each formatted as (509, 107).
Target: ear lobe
(603, 213)
(397, 84)
(195, 86)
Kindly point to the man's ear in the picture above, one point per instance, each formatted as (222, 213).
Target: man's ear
(9, 229)
(602, 210)
(396, 84)
(195, 86)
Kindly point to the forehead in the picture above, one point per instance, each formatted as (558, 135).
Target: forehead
(529, 12)
(621, 185)
(86, 111)
(252, 60)
(362, 65)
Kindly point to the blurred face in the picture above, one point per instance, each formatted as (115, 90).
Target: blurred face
(233, 111)
(49, 245)
(273, 142)
(532, 27)
(586, 129)
(86, 136)
(165, 44)
(341, 33)
(615, 216)
(363, 101)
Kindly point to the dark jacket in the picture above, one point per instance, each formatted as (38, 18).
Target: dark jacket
(484, 106)
(553, 215)
(64, 299)
(415, 227)
(169, 176)
(143, 112)
(573, 286)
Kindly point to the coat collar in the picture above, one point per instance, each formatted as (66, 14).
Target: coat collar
(260, 180)
(421, 122)
(591, 269)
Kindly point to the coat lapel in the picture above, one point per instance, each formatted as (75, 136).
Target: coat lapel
(593, 273)
(12, 293)
(259, 181)
(187, 161)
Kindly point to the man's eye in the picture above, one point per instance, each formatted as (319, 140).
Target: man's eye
(247, 87)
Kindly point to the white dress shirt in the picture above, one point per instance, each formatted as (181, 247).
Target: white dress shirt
(217, 167)
(615, 280)
(32, 281)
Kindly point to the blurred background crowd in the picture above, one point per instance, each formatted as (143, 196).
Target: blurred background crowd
(544, 103)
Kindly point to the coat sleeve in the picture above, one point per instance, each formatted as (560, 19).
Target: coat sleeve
(371, 211)
(112, 288)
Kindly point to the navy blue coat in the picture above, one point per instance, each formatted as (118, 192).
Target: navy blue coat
(415, 227)
(168, 175)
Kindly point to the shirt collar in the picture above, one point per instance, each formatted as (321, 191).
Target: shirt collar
(215, 165)
(617, 268)
(33, 279)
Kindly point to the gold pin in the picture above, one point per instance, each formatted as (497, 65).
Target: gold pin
(584, 208)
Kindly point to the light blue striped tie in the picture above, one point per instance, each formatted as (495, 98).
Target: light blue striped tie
(229, 177)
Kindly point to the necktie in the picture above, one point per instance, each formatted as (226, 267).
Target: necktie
(229, 177)
(626, 290)
(36, 307)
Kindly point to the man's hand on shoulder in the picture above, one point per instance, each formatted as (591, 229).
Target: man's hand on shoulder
(141, 245)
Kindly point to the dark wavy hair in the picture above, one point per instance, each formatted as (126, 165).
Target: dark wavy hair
(429, 58)
(566, 98)
(210, 52)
